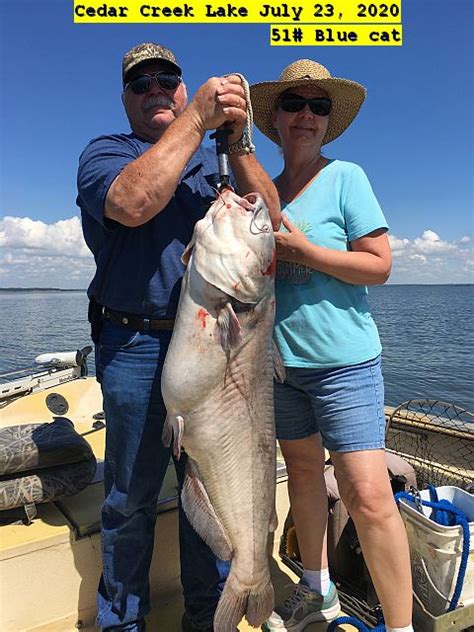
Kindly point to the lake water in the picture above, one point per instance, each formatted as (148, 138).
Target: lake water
(426, 330)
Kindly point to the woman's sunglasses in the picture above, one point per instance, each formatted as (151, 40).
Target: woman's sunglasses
(295, 103)
(168, 81)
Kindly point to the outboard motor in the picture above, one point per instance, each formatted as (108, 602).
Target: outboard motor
(67, 359)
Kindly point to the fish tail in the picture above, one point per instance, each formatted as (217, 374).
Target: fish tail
(237, 601)
(230, 609)
(260, 604)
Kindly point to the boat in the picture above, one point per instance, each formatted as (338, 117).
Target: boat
(50, 562)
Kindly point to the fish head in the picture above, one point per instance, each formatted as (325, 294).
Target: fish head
(239, 221)
(233, 246)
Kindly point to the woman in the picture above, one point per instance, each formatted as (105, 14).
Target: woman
(333, 244)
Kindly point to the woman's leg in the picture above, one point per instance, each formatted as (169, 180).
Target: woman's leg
(365, 489)
(314, 598)
(308, 497)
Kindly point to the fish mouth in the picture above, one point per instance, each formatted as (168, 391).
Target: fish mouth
(251, 203)
(253, 198)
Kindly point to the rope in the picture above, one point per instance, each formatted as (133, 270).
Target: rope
(359, 625)
(447, 514)
(245, 144)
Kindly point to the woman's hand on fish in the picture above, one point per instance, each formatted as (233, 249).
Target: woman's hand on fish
(221, 100)
(292, 245)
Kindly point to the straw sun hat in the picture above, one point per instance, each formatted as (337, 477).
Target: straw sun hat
(346, 97)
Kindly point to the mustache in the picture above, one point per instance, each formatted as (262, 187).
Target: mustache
(160, 100)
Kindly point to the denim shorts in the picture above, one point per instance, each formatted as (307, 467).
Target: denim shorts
(346, 405)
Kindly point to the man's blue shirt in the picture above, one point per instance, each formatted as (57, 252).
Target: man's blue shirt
(139, 269)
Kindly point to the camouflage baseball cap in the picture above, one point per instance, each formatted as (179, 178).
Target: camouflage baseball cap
(148, 52)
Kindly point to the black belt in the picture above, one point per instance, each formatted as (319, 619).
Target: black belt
(138, 323)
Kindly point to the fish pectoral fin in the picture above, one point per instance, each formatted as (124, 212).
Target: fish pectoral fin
(186, 256)
(272, 527)
(173, 430)
(279, 372)
(201, 514)
(228, 326)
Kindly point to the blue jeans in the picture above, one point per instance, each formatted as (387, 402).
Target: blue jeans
(129, 365)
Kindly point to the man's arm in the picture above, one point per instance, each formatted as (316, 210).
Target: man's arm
(252, 177)
(146, 185)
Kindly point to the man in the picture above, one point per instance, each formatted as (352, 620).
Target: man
(140, 195)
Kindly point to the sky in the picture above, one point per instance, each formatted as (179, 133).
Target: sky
(61, 87)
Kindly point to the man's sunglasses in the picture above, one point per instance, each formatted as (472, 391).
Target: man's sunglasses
(168, 81)
(295, 103)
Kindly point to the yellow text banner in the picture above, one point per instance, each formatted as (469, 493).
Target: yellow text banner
(336, 35)
(250, 11)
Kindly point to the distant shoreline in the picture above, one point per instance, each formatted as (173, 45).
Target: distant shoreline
(39, 289)
(59, 289)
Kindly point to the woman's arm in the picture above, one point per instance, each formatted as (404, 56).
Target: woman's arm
(368, 262)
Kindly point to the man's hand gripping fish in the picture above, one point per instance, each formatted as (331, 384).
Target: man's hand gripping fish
(217, 385)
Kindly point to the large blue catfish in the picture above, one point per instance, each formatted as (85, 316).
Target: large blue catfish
(218, 389)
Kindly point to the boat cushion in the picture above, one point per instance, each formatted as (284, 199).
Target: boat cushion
(43, 462)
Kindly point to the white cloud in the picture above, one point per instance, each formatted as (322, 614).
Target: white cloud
(420, 258)
(36, 254)
(397, 244)
(431, 259)
(430, 242)
(62, 238)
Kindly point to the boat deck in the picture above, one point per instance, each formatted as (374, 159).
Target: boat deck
(56, 559)
(167, 618)
(50, 569)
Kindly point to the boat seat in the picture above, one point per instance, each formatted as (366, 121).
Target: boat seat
(40, 463)
(83, 509)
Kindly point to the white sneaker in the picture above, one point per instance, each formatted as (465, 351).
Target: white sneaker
(303, 606)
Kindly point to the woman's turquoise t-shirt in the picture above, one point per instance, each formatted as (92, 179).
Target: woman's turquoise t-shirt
(322, 322)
